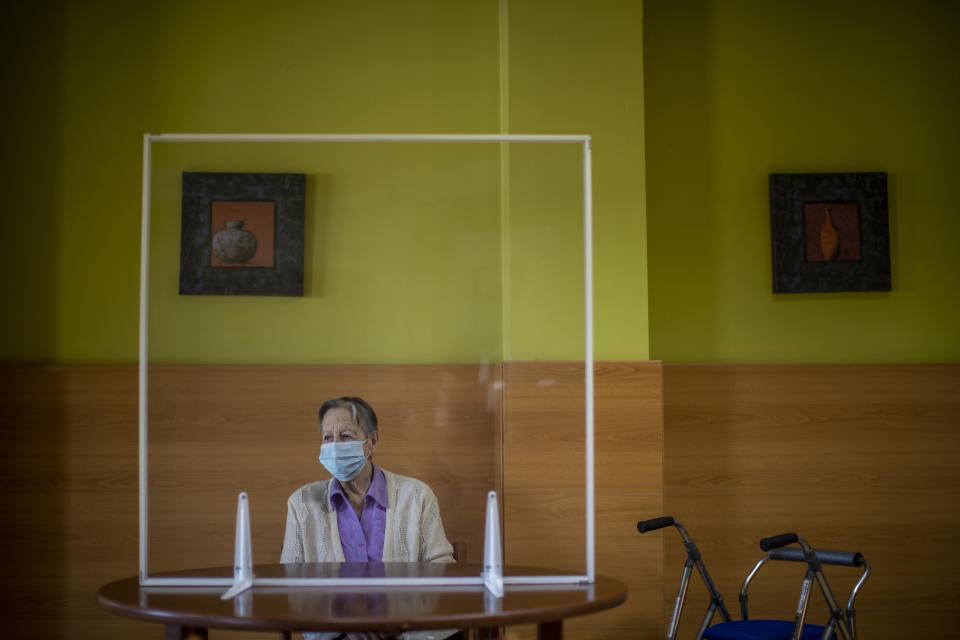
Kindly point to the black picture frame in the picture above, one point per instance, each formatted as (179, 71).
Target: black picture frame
(199, 270)
(800, 260)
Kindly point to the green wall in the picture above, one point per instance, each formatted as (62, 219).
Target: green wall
(84, 80)
(738, 90)
(402, 257)
(578, 66)
(734, 91)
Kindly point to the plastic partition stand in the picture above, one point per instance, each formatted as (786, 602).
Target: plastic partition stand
(243, 551)
(492, 553)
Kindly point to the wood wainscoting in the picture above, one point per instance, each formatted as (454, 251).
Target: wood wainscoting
(859, 457)
(544, 466)
(69, 470)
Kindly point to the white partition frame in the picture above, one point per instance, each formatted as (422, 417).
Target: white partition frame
(149, 140)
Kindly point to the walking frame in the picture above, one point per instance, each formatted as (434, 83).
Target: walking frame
(841, 621)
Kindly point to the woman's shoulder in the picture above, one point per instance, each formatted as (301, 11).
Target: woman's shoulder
(407, 484)
(312, 492)
(401, 479)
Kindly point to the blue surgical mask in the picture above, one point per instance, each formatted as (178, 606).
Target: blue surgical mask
(344, 460)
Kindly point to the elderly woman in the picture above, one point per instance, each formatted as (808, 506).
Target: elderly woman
(364, 513)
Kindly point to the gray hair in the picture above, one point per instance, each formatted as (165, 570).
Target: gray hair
(363, 414)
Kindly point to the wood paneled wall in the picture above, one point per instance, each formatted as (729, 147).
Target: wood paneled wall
(69, 470)
(68, 498)
(544, 467)
(216, 430)
(862, 457)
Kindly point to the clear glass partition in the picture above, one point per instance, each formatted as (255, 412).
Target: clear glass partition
(282, 270)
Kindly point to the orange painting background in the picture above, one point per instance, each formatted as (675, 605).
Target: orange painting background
(257, 218)
(846, 220)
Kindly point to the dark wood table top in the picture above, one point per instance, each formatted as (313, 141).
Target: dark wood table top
(358, 608)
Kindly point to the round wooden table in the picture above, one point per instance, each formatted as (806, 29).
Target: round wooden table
(193, 610)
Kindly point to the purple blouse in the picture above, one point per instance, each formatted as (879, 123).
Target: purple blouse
(362, 538)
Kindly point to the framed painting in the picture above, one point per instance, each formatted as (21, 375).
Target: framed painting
(242, 234)
(830, 232)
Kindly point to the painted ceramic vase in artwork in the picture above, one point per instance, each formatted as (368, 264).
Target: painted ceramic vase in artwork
(234, 244)
(829, 238)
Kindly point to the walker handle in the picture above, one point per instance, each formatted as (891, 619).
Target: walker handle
(826, 556)
(654, 523)
(778, 541)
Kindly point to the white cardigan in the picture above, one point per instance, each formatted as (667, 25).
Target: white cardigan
(413, 531)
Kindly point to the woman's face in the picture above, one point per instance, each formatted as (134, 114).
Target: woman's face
(338, 426)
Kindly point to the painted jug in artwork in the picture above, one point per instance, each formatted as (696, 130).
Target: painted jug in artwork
(234, 244)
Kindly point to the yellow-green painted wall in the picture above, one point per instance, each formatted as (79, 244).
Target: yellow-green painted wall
(736, 90)
(84, 80)
(578, 66)
(402, 257)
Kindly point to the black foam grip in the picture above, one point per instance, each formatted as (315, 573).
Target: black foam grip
(826, 556)
(778, 541)
(791, 554)
(654, 523)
